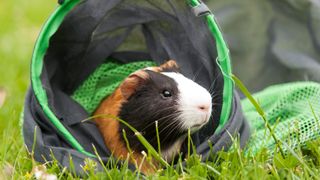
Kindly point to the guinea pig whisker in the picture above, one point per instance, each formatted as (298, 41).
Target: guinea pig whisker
(195, 76)
(214, 93)
(212, 84)
(165, 117)
(153, 123)
(215, 96)
(174, 121)
(165, 109)
(169, 134)
(214, 111)
(164, 126)
(216, 104)
(169, 125)
(172, 133)
(158, 112)
(168, 116)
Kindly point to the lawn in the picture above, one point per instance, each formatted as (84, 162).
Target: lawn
(21, 23)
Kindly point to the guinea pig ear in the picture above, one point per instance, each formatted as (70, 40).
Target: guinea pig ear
(130, 84)
(170, 65)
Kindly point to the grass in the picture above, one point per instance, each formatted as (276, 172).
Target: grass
(21, 22)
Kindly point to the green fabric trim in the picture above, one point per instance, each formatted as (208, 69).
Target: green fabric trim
(225, 65)
(41, 46)
(193, 3)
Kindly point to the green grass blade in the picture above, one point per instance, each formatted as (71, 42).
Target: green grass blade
(143, 141)
(245, 91)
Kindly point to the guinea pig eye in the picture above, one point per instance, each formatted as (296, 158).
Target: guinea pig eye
(166, 93)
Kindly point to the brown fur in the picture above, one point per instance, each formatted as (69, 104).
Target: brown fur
(166, 65)
(109, 127)
(169, 64)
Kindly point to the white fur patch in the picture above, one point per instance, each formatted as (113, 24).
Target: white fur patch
(169, 153)
(192, 96)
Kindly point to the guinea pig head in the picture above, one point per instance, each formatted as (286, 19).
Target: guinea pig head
(164, 96)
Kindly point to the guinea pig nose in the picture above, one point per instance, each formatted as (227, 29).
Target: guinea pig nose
(203, 108)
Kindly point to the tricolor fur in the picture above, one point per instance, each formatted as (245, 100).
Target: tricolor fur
(154, 94)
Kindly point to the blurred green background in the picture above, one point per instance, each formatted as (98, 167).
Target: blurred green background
(21, 22)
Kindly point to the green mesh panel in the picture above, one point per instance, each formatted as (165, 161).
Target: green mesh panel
(104, 81)
(288, 110)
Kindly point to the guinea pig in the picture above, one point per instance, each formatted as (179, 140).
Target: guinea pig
(148, 95)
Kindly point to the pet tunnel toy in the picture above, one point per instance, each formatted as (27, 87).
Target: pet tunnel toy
(87, 47)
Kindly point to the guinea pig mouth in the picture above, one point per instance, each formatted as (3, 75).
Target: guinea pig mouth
(193, 120)
(198, 126)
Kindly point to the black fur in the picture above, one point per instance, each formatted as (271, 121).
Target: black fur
(146, 106)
